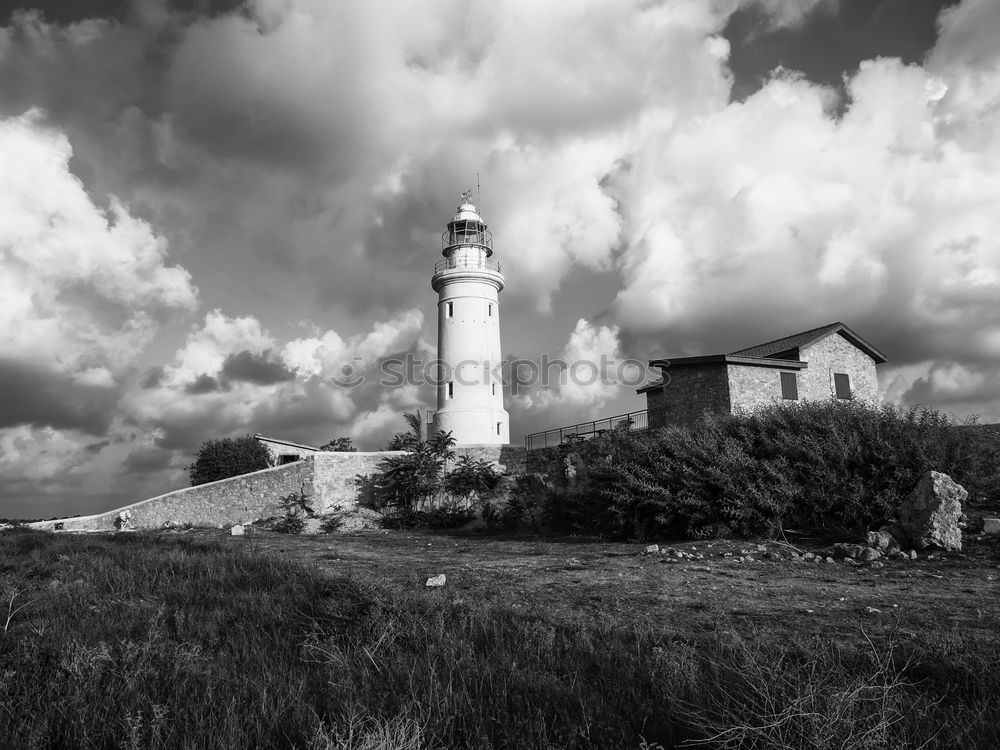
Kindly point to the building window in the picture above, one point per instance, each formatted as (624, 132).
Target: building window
(451, 389)
(789, 386)
(494, 389)
(498, 428)
(491, 310)
(451, 309)
(842, 385)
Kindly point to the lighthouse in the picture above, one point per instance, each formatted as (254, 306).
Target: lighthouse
(468, 282)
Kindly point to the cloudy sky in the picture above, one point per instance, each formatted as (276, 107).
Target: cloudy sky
(209, 207)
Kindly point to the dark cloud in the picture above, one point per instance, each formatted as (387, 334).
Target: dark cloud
(203, 384)
(833, 39)
(147, 460)
(30, 395)
(261, 369)
(152, 378)
(63, 12)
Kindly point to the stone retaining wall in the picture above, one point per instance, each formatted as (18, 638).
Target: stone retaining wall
(327, 479)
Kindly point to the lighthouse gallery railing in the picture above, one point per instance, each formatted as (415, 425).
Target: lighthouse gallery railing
(460, 262)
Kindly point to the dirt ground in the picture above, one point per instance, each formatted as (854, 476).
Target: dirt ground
(939, 592)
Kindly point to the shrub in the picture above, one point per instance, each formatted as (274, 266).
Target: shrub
(339, 445)
(812, 464)
(407, 481)
(296, 508)
(471, 476)
(228, 457)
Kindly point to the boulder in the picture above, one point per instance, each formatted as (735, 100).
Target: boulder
(846, 551)
(930, 514)
(436, 581)
(883, 541)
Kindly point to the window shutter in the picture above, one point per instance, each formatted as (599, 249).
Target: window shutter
(842, 384)
(789, 386)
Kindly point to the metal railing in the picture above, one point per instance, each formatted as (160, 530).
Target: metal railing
(634, 421)
(477, 236)
(463, 262)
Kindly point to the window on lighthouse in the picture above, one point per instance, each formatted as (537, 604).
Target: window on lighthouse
(451, 309)
(451, 389)
(491, 311)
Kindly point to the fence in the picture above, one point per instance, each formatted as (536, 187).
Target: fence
(634, 421)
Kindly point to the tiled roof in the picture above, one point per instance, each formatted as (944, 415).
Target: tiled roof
(796, 340)
(799, 340)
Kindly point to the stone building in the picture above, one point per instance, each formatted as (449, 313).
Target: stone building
(285, 451)
(829, 362)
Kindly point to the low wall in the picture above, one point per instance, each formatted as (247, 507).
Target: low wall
(328, 480)
(241, 499)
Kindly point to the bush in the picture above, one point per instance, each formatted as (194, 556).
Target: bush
(339, 445)
(228, 457)
(813, 464)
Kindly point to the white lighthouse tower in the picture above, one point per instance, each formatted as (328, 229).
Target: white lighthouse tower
(468, 282)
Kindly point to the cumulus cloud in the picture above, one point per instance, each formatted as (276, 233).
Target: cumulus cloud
(588, 372)
(232, 375)
(301, 159)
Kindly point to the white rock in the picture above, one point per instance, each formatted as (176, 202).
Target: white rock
(652, 549)
(237, 530)
(436, 581)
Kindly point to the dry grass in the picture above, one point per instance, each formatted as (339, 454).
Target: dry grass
(199, 640)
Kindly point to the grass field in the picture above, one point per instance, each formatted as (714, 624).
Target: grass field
(200, 640)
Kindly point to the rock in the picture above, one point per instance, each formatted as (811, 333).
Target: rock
(877, 564)
(845, 550)
(930, 514)
(991, 526)
(896, 532)
(913, 554)
(653, 549)
(237, 530)
(869, 554)
(436, 581)
(897, 554)
(850, 561)
(883, 541)
(808, 557)
(829, 560)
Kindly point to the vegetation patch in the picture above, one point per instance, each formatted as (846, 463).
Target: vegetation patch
(155, 641)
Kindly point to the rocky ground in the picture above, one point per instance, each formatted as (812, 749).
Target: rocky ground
(688, 586)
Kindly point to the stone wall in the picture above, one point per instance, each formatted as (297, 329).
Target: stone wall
(752, 387)
(511, 459)
(692, 391)
(335, 485)
(239, 499)
(837, 354)
(328, 480)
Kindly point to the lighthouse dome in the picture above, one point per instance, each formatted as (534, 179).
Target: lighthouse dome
(467, 212)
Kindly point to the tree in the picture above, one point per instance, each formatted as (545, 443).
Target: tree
(406, 481)
(407, 441)
(228, 457)
(339, 445)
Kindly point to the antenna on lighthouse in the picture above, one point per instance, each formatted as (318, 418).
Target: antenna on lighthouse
(479, 198)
